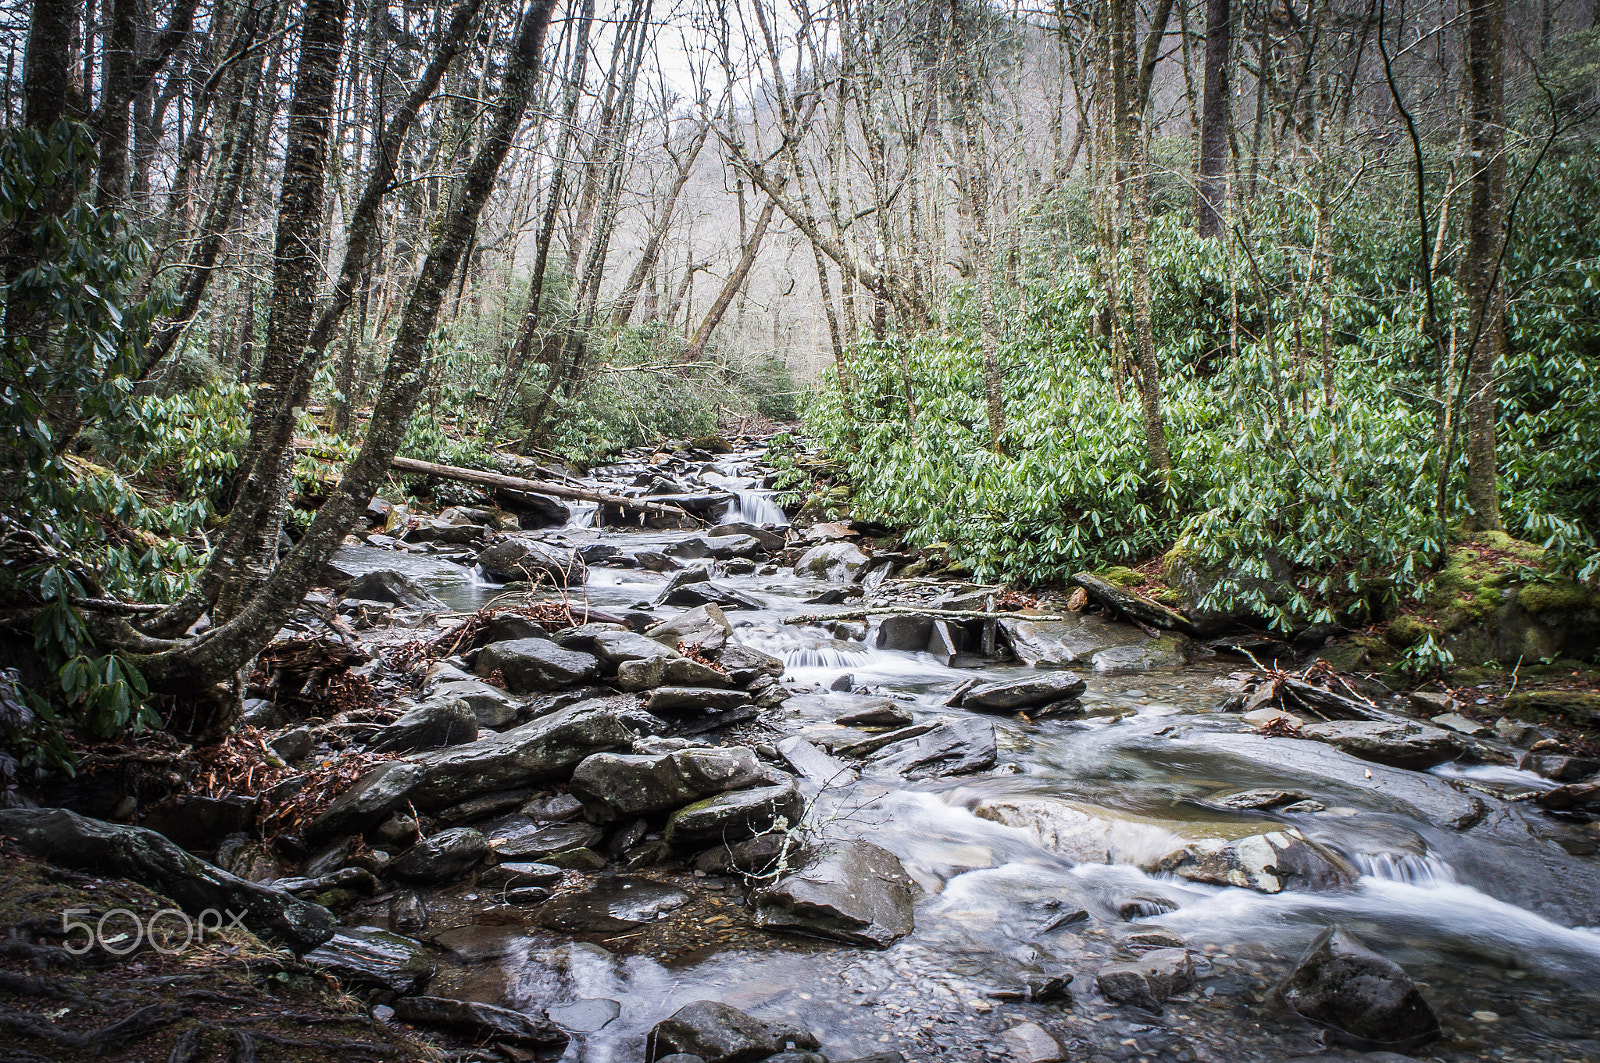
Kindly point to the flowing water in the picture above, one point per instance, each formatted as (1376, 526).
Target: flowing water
(1496, 922)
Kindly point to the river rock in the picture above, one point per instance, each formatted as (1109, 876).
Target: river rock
(1166, 651)
(431, 530)
(727, 547)
(387, 585)
(520, 838)
(852, 891)
(1084, 834)
(772, 542)
(952, 747)
(716, 1033)
(733, 816)
(838, 562)
(478, 1020)
(705, 627)
(70, 840)
(366, 957)
(1365, 1000)
(873, 712)
(407, 912)
(908, 633)
(1015, 695)
(492, 707)
(519, 558)
(745, 664)
(1403, 745)
(439, 721)
(614, 786)
(815, 765)
(1270, 862)
(675, 701)
(611, 906)
(1063, 643)
(613, 645)
(446, 855)
(1032, 1043)
(668, 671)
(533, 665)
(1149, 981)
(586, 1015)
(709, 592)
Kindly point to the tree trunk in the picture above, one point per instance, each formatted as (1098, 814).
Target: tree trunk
(730, 287)
(1212, 187)
(1485, 238)
(46, 79)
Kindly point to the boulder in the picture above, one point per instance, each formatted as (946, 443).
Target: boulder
(387, 585)
(873, 712)
(1149, 981)
(908, 633)
(1364, 1000)
(479, 1020)
(447, 855)
(952, 747)
(426, 530)
(838, 562)
(772, 542)
(813, 764)
(733, 816)
(1063, 643)
(533, 665)
(439, 721)
(365, 957)
(1402, 745)
(1166, 651)
(519, 838)
(852, 891)
(1032, 1043)
(615, 786)
(70, 840)
(366, 804)
(1230, 587)
(717, 1033)
(492, 707)
(709, 592)
(611, 906)
(1016, 695)
(744, 665)
(613, 645)
(676, 701)
(705, 627)
(668, 671)
(1270, 862)
(726, 547)
(519, 558)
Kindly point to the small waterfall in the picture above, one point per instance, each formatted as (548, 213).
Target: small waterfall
(476, 577)
(1413, 870)
(820, 657)
(755, 507)
(583, 514)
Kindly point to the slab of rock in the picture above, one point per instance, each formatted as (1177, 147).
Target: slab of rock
(675, 701)
(1454, 721)
(705, 626)
(479, 1020)
(1365, 1000)
(745, 664)
(952, 747)
(672, 671)
(586, 1015)
(70, 840)
(519, 558)
(368, 803)
(387, 585)
(1401, 745)
(492, 707)
(909, 632)
(439, 721)
(838, 562)
(1167, 651)
(815, 765)
(522, 839)
(1032, 1043)
(718, 1033)
(874, 712)
(616, 786)
(613, 645)
(1048, 644)
(447, 855)
(534, 665)
(611, 906)
(772, 542)
(367, 957)
(733, 816)
(709, 592)
(851, 891)
(1270, 862)
(1149, 981)
(1016, 695)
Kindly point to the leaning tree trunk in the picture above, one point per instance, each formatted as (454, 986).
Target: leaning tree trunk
(212, 657)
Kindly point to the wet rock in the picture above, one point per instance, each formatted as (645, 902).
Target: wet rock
(838, 562)
(1558, 767)
(492, 707)
(446, 855)
(675, 701)
(744, 664)
(770, 541)
(1130, 603)
(613, 645)
(1453, 721)
(70, 840)
(585, 1016)
(1087, 835)
(753, 856)
(1268, 578)
(614, 786)
(200, 823)
(851, 891)
(396, 588)
(1270, 862)
(713, 1031)
(611, 906)
(875, 712)
(1583, 796)
(669, 671)
(1015, 695)
(407, 912)
(519, 558)
(705, 627)
(952, 747)
(554, 808)
(480, 807)
(1032, 1043)
(709, 592)
(733, 816)
(523, 873)
(1048, 644)
(815, 765)
(293, 745)
(439, 721)
(478, 1020)
(1168, 651)
(428, 530)
(907, 633)
(1365, 1000)
(727, 547)
(532, 665)
(1149, 981)
(1258, 800)
(366, 957)
(1402, 745)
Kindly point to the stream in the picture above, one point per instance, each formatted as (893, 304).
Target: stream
(1492, 907)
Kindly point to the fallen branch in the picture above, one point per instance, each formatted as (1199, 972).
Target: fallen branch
(517, 483)
(906, 610)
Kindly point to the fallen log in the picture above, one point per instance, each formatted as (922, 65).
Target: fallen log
(1133, 605)
(517, 483)
(906, 610)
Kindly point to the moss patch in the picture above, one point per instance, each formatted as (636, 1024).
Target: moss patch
(1406, 631)
(1557, 596)
(1578, 707)
(1122, 577)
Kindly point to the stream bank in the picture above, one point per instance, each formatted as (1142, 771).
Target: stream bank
(1022, 823)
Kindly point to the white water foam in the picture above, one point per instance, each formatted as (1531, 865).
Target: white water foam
(1409, 868)
(583, 514)
(755, 507)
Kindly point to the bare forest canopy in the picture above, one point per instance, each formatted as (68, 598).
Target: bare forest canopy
(1309, 282)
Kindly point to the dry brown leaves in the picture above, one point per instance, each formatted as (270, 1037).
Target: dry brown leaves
(1014, 600)
(240, 765)
(310, 675)
(1279, 727)
(696, 653)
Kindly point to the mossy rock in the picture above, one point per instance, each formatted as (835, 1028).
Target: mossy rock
(1556, 596)
(1407, 631)
(1492, 604)
(1122, 577)
(1579, 707)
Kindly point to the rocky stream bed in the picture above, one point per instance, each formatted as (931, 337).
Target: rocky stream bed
(731, 790)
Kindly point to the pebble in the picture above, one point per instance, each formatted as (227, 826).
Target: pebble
(1486, 1016)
